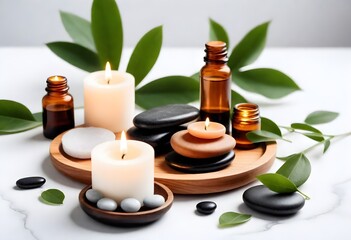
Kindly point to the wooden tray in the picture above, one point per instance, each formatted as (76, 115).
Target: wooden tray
(243, 170)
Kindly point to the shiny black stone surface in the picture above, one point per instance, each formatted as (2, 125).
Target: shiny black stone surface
(30, 182)
(198, 165)
(261, 199)
(166, 116)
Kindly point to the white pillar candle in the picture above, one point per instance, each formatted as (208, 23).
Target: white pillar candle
(109, 100)
(119, 174)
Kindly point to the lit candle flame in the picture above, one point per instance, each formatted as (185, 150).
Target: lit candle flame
(123, 144)
(207, 123)
(108, 74)
(56, 78)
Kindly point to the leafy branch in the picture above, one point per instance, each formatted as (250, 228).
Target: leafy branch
(297, 168)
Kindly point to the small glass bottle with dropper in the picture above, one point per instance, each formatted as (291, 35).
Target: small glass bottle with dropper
(215, 85)
(58, 108)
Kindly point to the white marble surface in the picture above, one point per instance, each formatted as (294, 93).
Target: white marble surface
(324, 76)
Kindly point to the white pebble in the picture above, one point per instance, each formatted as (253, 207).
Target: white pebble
(107, 204)
(154, 201)
(93, 195)
(79, 142)
(130, 205)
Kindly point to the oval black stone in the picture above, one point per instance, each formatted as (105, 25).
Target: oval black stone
(261, 199)
(154, 138)
(206, 207)
(30, 182)
(198, 165)
(166, 116)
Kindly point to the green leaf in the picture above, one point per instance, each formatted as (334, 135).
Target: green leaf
(218, 33)
(76, 55)
(232, 219)
(237, 98)
(319, 117)
(297, 169)
(53, 196)
(15, 117)
(263, 136)
(79, 29)
(38, 116)
(318, 136)
(277, 183)
(145, 54)
(106, 25)
(270, 126)
(326, 145)
(249, 48)
(268, 82)
(167, 90)
(196, 76)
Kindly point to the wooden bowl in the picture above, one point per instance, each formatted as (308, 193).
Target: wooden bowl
(119, 218)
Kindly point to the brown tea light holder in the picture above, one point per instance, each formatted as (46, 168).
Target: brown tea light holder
(123, 219)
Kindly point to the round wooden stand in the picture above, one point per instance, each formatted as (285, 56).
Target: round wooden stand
(243, 170)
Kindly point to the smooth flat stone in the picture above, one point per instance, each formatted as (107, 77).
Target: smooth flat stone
(166, 116)
(206, 207)
(154, 201)
(93, 195)
(107, 204)
(30, 182)
(195, 165)
(79, 142)
(189, 146)
(130, 205)
(261, 199)
(157, 139)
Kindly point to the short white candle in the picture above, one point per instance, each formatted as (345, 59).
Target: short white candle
(130, 177)
(109, 100)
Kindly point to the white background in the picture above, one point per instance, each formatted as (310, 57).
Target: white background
(301, 23)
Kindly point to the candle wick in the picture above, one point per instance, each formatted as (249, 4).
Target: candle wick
(205, 127)
(108, 81)
(123, 155)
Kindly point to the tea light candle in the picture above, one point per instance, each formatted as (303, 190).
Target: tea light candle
(206, 129)
(109, 99)
(123, 169)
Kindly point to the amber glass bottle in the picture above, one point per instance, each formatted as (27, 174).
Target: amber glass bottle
(215, 84)
(246, 118)
(58, 109)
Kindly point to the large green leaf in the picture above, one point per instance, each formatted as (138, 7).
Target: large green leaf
(268, 82)
(319, 117)
(106, 26)
(145, 54)
(270, 126)
(76, 55)
(263, 136)
(316, 135)
(249, 48)
(218, 33)
(277, 183)
(237, 98)
(15, 117)
(167, 90)
(79, 29)
(297, 168)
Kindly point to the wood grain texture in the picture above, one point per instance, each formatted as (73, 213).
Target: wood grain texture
(243, 170)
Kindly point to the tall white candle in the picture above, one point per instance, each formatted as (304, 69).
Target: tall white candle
(120, 173)
(109, 100)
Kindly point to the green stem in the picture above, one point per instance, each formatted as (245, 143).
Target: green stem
(304, 195)
(322, 142)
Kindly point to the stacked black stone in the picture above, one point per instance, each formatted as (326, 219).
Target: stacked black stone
(157, 125)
